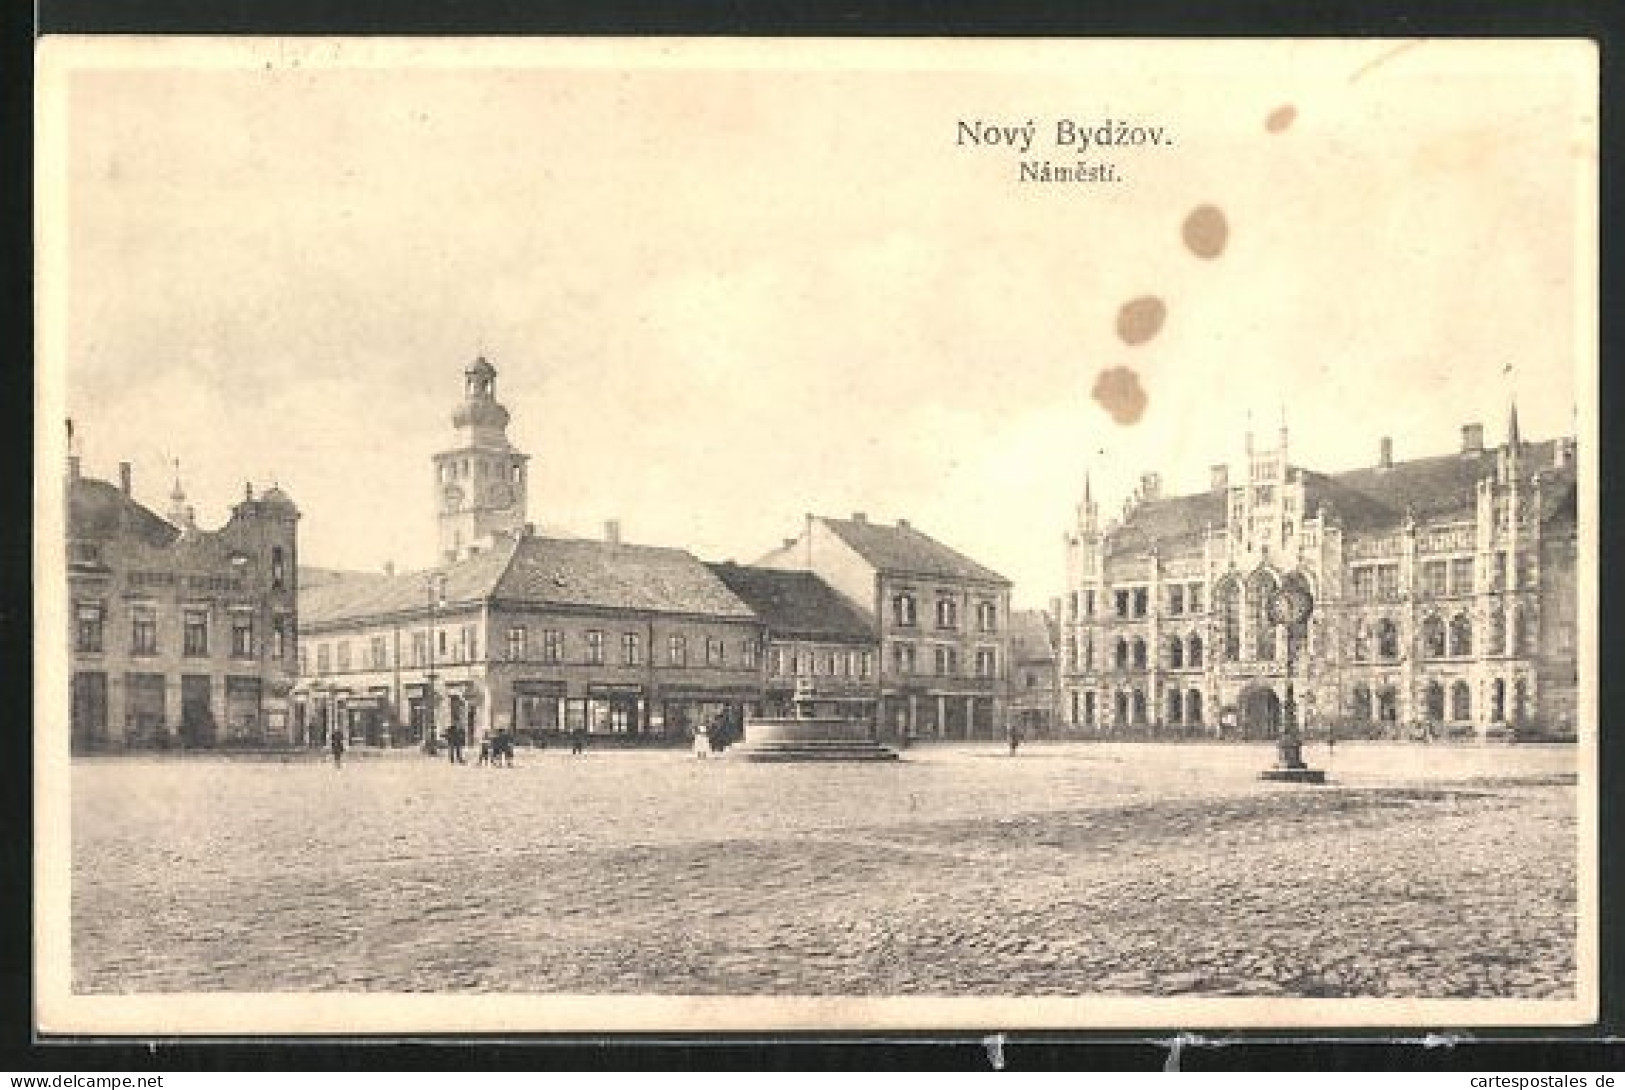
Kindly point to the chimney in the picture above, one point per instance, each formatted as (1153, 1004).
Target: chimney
(124, 477)
(789, 542)
(389, 567)
(1385, 453)
(1219, 477)
(1472, 438)
(530, 529)
(902, 524)
(612, 531)
(859, 516)
(1150, 486)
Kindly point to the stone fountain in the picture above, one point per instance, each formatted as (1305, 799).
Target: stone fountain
(812, 733)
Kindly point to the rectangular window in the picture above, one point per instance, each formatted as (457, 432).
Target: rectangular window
(552, 646)
(1498, 574)
(1140, 597)
(143, 630)
(987, 617)
(1365, 583)
(866, 664)
(1388, 581)
(89, 621)
(1072, 606)
(775, 662)
(471, 643)
(518, 651)
(751, 653)
(677, 651)
(903, 658)
(324, 661)
(195, 632)
(420, 649)
(713, 651)
(1089, 707)
(1176, 599)
(1433, 578)
(986, 660)
(1122, 603)
(1194, 598)
(1088, 603)
(1461, 575)
(631, 649)
(344, 654)
(377, 656)
(595, 648)
(242, 639)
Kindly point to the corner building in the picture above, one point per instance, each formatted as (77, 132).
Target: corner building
(179, 636)
(1444, 593)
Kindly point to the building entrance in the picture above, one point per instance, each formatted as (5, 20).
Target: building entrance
(1260, 712)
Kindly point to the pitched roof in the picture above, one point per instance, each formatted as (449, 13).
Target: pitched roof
(97, 509)
(1362, 499)
(1030, 639)
(1169, 521)
(585, 572)
(534, 571)
(796, 604)
(902, 548)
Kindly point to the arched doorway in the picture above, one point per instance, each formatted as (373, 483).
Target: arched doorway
(1260, 712)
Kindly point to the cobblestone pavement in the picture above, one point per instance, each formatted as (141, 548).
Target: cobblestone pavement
(1070, 869)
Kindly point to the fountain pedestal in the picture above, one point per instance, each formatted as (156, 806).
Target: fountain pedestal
(809, 738)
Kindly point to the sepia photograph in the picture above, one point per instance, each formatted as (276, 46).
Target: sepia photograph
(695, 536)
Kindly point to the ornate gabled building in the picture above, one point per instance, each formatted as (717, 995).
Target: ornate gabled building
(180, 636)
(1444, 598)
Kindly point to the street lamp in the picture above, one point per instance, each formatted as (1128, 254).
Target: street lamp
(1290, 608)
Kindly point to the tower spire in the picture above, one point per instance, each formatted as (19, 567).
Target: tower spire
(1513, 438)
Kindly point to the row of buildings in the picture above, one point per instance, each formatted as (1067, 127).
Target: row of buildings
(1443, 601)
(516, 630)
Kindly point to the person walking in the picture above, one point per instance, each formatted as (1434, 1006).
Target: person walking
(1013, 733)
(337, 744)
(578, 740)
(702, 742)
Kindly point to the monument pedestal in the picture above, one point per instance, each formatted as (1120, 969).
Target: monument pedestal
(1289, 766)
(808, 739)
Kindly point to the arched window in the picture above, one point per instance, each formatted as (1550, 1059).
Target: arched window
(1520, 632)
(1520, 701)
(1176, 653)
(1122, 708)
(1072, 652)
(1362, 704)
(1433, 637)
(1498, 632)
(1387, 639)
(1362, 641)
(1193, 654)
(1193, 706)
(1139, 653)
(1122, 653)
(1227, 603)
(1388, 705)
(1461, 702)
(1461, 635)
(1435, 701)
(1498, 700)
(1139, 706)
(1261, 587)
(1175, 706)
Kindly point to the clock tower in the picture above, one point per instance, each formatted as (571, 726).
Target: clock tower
(479, 483)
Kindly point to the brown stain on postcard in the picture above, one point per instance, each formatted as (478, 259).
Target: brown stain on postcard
(1119, 392)
(1206, 231)
(1141, 319)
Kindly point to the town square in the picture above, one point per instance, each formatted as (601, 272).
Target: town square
(747, 561)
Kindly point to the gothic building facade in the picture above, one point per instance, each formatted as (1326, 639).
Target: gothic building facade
(1443, 594)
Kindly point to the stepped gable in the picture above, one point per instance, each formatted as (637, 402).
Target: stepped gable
(99, 510)
(905, 549)
(796, 604)
(601, 574)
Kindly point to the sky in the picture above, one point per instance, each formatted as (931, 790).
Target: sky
(726, 284)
